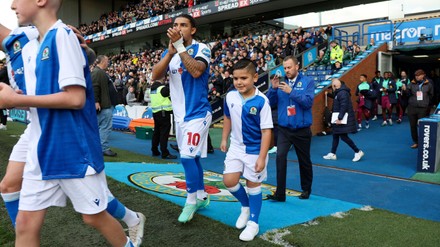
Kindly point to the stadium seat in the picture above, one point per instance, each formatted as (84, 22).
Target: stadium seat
(120, 122)
(311, 68)
(320, 68)
(329, 67)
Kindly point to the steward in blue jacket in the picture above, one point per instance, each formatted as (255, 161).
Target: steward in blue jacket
(294, 99)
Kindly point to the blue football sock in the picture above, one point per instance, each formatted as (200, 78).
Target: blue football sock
(115, 208)
(240, 193)
(201, 184)
(11, 204)
(191, 174)
(255, 202)
(118, 210)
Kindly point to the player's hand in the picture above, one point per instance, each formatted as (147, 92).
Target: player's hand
(7, 95)
(260, 164)
(275, 82)
(174, 34)
(224, 146)
(285, 87)
(171, 49)
(97, 106)
(338, 122)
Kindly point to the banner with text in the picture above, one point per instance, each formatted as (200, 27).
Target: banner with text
(410, 31)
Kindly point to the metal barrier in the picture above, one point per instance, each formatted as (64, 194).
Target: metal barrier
(338, 32)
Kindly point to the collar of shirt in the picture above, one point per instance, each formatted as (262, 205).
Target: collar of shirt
(292, 81)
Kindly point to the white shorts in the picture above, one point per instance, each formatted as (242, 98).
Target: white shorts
(244, 163)
(192, 136)
(88, 195)
(20, 149)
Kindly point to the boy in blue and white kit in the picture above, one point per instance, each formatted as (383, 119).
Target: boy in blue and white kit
(248, 118)
(10, 186)
(187, 62)
(64, 158)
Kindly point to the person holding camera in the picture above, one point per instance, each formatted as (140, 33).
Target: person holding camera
(294, 99)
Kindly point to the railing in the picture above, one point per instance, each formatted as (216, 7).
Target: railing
(343, 36)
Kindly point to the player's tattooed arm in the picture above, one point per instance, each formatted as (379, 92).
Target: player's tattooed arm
(193, 66)
(4, 32)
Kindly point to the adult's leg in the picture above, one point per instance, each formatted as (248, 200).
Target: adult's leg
(302, 140)
(346, 139)
(105, 127)
(165, 132)
(283, 146)
(155, 140)
(335, 143)
(359, 114)
(413, 117)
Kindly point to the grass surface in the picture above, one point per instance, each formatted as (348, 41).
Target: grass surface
(64, 227)
(359, 228)
(427, 177)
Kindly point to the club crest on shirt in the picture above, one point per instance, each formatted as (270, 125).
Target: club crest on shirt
(180, 70)
(253, 110)
(191, 51)
(45, 54)
(299, 84)
(16, 46)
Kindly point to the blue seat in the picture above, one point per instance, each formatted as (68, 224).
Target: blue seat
(328, 72)
(120, 122)
(311, 68)
(322, 78)
(329, 67)
(320, 68)
(316, 79)
(311, 73)
(346, 62)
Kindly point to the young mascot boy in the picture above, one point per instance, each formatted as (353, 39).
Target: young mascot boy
(248, 118)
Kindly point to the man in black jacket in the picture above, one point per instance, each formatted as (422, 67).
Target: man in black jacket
(105, 100)
(420, 92)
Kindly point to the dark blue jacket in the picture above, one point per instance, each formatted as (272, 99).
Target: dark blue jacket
(342, 104)
(369, 96)
(391, 91)
(301, 97)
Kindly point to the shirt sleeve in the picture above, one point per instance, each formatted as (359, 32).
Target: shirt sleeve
(266, 116)
(203, 54)
(226, 108)
(71, 59)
